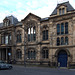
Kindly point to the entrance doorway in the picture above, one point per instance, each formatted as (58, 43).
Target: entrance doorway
(62, 58)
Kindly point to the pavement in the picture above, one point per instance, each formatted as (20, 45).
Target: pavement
(21, 70)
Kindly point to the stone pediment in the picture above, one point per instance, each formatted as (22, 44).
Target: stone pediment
(31, 16)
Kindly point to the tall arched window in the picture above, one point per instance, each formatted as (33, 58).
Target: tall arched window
(31, 33)
(19, 39)
(58, 41)
(45, 35)
(45, 53)
(31, 54)
(66, 40)
(19, 54)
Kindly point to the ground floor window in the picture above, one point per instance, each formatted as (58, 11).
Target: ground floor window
(45, 53)
(19, 54)
(31, 54)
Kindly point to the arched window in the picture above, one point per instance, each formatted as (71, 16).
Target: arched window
(62, 40)
(19, 39)
(19, 54)
(45, 35)
(32, 34)
(31, 54)
(58, 41)
(45, 53)
(66, 40)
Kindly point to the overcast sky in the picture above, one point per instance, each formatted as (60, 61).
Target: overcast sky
(21, 8)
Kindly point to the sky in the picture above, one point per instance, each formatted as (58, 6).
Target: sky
(21, 8)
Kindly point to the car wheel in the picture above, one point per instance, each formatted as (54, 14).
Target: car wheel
(10, 67)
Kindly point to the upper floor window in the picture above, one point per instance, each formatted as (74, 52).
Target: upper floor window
(32, 34)
(62, 28)
(6, 38)
(62, 41)
(19, 39)
(45, 35)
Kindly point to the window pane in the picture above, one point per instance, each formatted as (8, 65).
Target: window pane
(20, 38)
(32, 30)
(46, 34)
(46, 53)
(2, 39)
(63, 10)
(58, 41)
(59, 11)
(43, 35)
(62, 28)
(58, 29)
(34, 37)
(43, 54)
(66, 28)
(28, 37)
(62, 40)
(29, 31)
(66, 40)
(6, 39)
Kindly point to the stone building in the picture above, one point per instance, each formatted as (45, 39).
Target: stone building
(48, 41)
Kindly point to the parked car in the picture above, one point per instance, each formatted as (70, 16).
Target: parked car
(4, 65)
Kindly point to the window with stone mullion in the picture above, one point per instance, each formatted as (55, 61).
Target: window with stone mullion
(2, 39)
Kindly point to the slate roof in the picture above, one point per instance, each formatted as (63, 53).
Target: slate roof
(67, 4)
(19, 23)
(44, 19)
(12, 19)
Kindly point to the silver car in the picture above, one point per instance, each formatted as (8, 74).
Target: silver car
(4, 65)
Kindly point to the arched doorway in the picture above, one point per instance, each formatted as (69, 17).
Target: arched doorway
(62, 58)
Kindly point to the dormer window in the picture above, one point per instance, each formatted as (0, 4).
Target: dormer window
(61, 11)
(6, 22)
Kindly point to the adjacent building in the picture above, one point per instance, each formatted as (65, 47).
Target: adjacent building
(48, 41)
